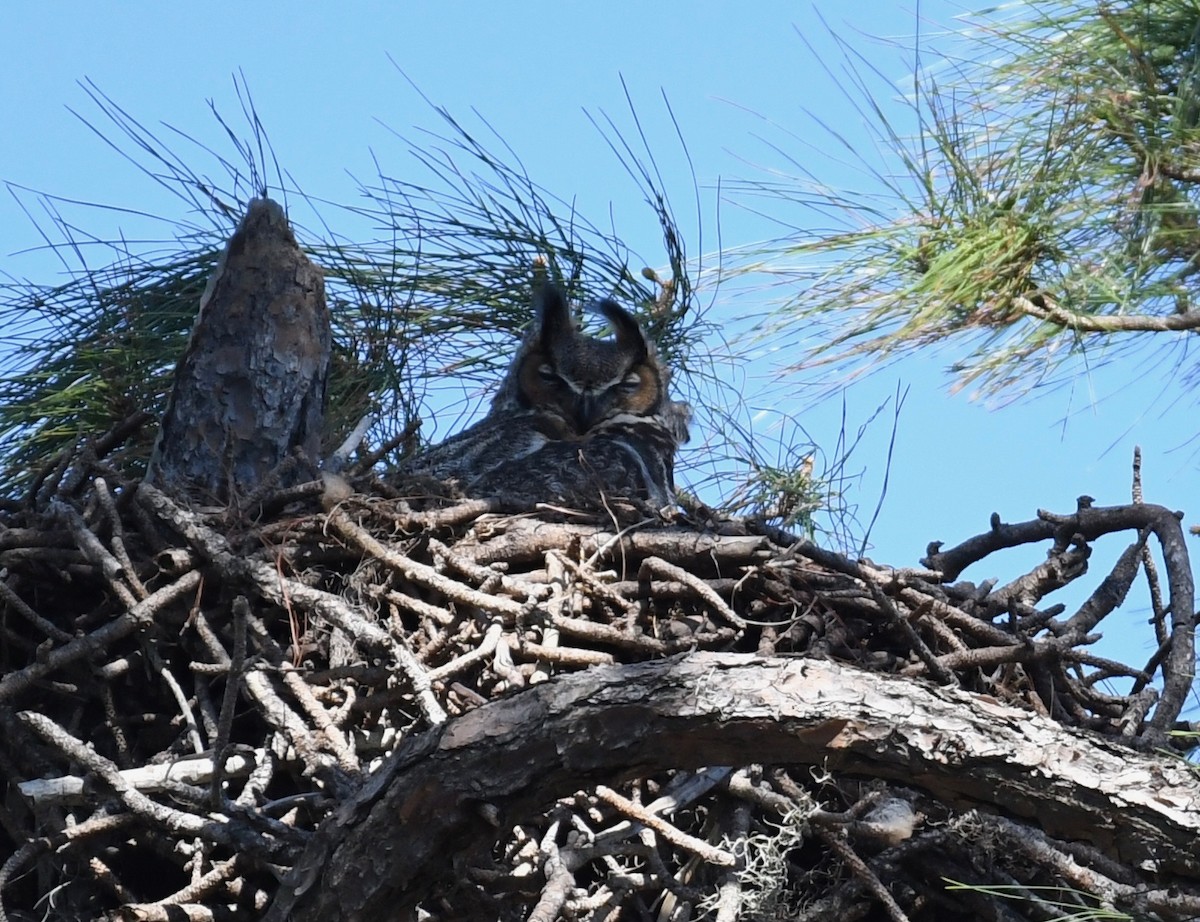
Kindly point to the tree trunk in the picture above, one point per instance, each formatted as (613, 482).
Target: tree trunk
(249, 391)
(392, 845)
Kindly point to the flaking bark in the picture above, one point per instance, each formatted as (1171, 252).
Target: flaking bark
(250, 389)
(386, 849)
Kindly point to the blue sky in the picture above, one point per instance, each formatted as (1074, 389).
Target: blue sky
(739, 78)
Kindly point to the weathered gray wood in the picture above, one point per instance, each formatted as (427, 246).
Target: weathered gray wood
(251, 386)
(381, 852)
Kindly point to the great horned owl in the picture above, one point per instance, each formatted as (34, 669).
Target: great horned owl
(576, 419)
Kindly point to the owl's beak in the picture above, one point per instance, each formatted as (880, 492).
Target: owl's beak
(587, 409)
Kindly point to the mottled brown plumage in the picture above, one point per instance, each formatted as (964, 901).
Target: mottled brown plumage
(577, 420)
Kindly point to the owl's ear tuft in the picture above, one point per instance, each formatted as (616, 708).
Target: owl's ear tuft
(553, 316)
(630, 336)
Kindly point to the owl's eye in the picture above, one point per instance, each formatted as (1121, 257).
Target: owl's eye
(631, 382)
(548, 374)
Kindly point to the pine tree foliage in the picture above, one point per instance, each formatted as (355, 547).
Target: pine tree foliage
(1047, 207)
(425, 306)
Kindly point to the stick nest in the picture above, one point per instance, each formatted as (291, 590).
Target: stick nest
(187, 694)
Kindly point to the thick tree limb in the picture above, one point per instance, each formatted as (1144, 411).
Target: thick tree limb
(389, 846)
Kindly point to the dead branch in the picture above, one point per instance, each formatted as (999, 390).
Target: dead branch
(519, 752)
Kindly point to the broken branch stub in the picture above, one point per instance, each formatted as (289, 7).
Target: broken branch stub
(249, 391)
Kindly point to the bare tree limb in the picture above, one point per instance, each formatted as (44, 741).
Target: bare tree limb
(388, 847)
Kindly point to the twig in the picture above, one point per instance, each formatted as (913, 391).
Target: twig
(147, 778)
(334, 739)
(104, 497)
(240, 608)
(658, 567)
(420, 573)
(671, 833)
(460, 664)
(178, 821)
(837, 843)
(100, 639)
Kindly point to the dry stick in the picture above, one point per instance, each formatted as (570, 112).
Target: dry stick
(13, 602)
(1159, 614)
(177, 823)
(114, 724)
(55, 842)
(212, 644)
(839, 846)
(433, 642)
(957, 618)
(1179, 668)
(103, 874)
(527, 541)
(472, 570)
(566, 656)
(1141, 702)
(1158, 610)
(1091, 522)
(181, 912)
(217, 875)
(50, 478)
(100, 639)
(682, 790)
(284, 592)
(337, 460)
(729, 890)
(297, 732)
(108, 504)
(1151, 667)
(303, 693)
(1105, 668)
(555, 605)
(559, 881)
(1061, 567)
(660, 875)
(503, 665)
(450, 516)
(761, 793)
(253, 791)
(116, 436)
(1111, 592)
(53, 480)
(658, 567)
(485, 649)
(603, 547)
(601, 905)
(420, 573)
(418, 607)
(185, 707)
(1174, 901)
(673, 834)
(936, 626)
(38, 537)
(938, 670)
(1032, 652)
(599, 589)
(605, 634)
(233, 680)
(1067, 693)
(192, 771)
(370, 459)
(93, 550)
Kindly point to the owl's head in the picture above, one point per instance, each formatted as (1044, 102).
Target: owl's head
(584, 381)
